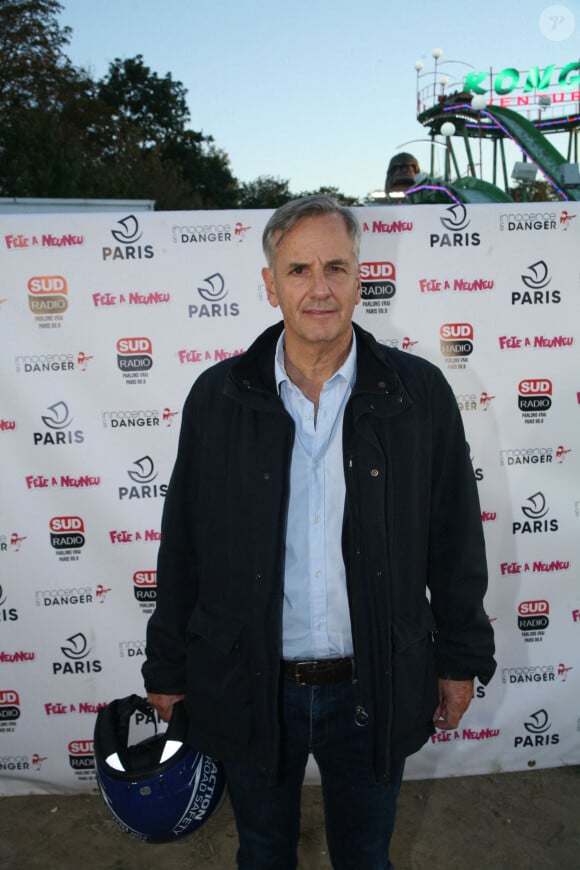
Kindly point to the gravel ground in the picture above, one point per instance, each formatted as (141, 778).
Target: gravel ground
(508, 821)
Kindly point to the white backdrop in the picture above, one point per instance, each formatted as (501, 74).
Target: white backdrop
(106, 320)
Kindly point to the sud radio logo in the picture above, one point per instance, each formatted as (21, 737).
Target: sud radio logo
(81, 755)
(127, 233)
(47, 299)
(533, 619)
(76, 657)
(9, 709)
(58, 422)
(535, 510)
(143, 476)
(533, 615)
(377, 286)
(67, 537)
(456, 343)
(47, 294)
(212, 295)
(145, 589)
(134, 358)
(534, 399)
(455, 224)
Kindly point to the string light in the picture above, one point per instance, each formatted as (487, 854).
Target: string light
(439, 187)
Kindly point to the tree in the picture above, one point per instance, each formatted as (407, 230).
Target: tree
(137, 97)
(266, 191)
(64, 135)
(126, 136)
(270, 192)
(342, 198)
(37, 84)
(33, 65)
(535, 191)
(204, 168)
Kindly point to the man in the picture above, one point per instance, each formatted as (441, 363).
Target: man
(322, 490)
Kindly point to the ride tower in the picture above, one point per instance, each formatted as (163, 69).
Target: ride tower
(485, 111)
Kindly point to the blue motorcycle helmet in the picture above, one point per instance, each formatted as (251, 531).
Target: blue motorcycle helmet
(160, 788)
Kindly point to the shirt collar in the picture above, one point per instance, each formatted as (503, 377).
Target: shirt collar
(347, 371)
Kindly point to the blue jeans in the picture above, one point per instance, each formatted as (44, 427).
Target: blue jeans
(359, 811)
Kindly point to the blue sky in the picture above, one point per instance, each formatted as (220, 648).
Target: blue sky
(319, 92)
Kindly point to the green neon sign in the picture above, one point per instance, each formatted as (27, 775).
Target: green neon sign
(508, 79)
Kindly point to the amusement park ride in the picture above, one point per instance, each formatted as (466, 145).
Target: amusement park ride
(488, 110)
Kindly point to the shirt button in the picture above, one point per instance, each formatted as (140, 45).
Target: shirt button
(375, 472)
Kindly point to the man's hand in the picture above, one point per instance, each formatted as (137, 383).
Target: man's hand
(454, 699)
(164, 704)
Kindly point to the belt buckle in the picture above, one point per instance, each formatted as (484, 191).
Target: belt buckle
(297, 676)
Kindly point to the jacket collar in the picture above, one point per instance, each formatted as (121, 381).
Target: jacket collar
(252, 380)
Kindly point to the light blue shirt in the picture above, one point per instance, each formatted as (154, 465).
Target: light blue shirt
(316, 616)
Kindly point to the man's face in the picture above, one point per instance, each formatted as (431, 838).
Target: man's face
(315, 281)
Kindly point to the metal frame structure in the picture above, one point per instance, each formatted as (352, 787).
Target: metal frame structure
(473, 119)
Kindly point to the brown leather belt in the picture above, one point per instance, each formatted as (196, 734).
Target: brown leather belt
(318, 673)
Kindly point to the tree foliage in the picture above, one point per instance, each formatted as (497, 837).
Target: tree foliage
(34, 69)
(342, 198)
(535, 191)
(265, 192)
(138, 98)
(125, 136)
(39, 90)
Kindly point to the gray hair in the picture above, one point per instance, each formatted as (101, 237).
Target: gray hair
(317, 205)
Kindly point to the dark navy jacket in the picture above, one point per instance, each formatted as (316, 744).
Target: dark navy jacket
(413, 549)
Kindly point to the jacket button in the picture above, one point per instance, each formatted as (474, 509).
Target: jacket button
(259, 577)
(400, 400)
(375, 472)
(246, 383)
(361, 717)
(266, 475)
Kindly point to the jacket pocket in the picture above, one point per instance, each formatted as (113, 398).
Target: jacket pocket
(415, 688)
(217, 677)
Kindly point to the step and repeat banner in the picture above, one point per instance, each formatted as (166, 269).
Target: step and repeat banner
(105, 322)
